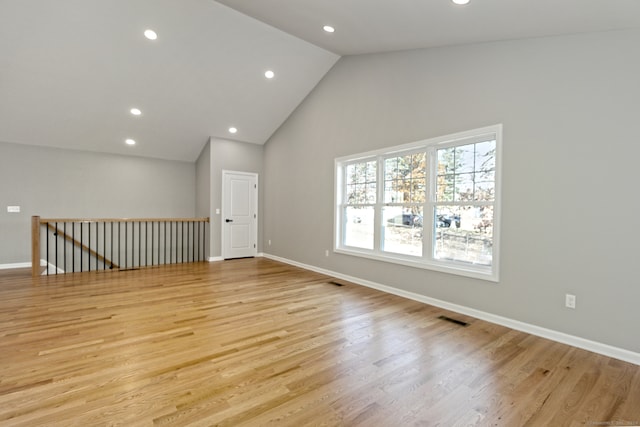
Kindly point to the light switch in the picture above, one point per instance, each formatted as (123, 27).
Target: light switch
(13, 209)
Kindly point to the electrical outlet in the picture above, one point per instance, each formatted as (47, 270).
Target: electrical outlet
(269, 242)
(570, 301)
(13, 209)
(326, 253)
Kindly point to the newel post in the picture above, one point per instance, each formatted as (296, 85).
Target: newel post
(35, 246)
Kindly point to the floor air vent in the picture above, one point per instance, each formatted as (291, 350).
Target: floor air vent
(456, 321)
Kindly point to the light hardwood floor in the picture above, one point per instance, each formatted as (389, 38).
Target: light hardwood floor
(254, 342)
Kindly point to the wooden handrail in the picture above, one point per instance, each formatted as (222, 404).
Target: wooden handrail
(81, 245)
(92, 220)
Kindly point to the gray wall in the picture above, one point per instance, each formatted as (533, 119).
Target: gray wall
(58, 183)
(232, 156)
(570, 109)
(203, 189)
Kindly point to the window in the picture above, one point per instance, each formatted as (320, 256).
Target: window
(431, 204)
(360, 200)
(405, 180)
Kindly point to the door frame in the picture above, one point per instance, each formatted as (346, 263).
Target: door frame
(223, 233)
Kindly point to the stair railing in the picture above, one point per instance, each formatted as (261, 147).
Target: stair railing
(69, 245)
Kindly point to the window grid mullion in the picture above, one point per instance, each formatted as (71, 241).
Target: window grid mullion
(471, 203)
(377, 231)
(429, 208)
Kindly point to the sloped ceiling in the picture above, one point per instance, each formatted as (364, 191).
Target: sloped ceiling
(371, 26)
(70, 70)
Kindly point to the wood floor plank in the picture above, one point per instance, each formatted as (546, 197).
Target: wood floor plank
(255, 342)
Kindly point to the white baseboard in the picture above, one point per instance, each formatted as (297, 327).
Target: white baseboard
(51, 269)
(15, 265)
(561, 337)
(43, 263)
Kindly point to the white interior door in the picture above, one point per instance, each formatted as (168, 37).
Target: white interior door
(239, 214)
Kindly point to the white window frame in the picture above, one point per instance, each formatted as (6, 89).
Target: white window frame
(427, 260)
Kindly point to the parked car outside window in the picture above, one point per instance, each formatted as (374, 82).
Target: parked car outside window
(445, 221)
(406, 220)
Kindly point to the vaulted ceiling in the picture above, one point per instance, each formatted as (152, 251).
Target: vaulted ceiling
(369, 26)
(71, 70)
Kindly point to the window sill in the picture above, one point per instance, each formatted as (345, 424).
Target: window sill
(451, 267)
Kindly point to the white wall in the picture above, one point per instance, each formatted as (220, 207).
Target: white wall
(571, 116)
(55, 183)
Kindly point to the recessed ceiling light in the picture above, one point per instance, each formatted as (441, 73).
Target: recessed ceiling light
(233, 130)
(130, 141)
(328, 28)
(269, 74)
(460, 1)
(150, 34)
(135, 111)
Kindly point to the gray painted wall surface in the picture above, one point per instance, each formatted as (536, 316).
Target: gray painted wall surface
(65, 183)
(232, 156)
(203, 188)
(570, 110)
